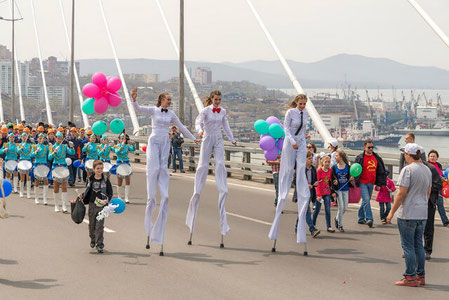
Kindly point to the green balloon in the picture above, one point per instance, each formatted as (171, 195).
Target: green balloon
(261, 126)
(88, 106)
(99, 128)
(276, 131)
(117, 126)
(356, 170)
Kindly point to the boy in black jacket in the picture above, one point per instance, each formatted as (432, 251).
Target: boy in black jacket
(98, 193)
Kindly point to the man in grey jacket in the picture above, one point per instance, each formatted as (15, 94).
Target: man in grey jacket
(409, 138)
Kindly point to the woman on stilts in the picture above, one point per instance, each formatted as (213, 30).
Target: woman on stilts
(293, 150)
(157, 162)
(209, 124)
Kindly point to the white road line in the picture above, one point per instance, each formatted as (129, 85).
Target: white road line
(105, 229)
(249, 219)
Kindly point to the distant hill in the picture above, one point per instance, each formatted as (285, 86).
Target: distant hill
(360, 71)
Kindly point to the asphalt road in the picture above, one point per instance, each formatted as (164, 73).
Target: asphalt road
(44, 255)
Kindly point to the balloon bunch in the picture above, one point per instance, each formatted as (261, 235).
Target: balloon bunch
(116, 206)
(100, 127)
(272, 136)
(102, 93)
(445, 190)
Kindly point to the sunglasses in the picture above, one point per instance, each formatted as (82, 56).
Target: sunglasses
(309, 147)
(370, 147)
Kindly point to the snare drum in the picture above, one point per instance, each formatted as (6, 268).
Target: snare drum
(41, 172)
(60, 174)
(11, 166)
(124, 171)
(89, 165)
(24, 166)
(68, 161)
(106, 167)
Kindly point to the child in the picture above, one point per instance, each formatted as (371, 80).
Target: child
(98, 193)
(275, 164)
(323, 191)
(341, 180)
(384, 198)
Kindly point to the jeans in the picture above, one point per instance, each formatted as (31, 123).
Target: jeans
(276, 186)
(411, 232)
(177, 152)
(441, 211)
(309, 220)
(79, 171)
(385, 208)
(342, 200)
(72, 176)
(327, 209)
(430, 227)
(365, 213)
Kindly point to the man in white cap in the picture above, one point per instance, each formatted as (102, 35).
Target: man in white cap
(333, 144)
(415, 183)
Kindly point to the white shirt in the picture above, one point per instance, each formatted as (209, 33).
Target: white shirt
(160, 121)
(211, 123)
(292, 122)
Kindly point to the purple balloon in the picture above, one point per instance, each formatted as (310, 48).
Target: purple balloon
(280, 143)
(267, 143)
(271, 154)
(272, 119)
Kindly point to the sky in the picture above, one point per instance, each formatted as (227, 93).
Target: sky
(226, 30)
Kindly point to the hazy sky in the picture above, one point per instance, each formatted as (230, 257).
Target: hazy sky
(226, 30)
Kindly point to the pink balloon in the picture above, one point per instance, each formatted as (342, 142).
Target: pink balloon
(114, 99)
(91, 90)
(99, 79)
(114, 84)
(101, 105)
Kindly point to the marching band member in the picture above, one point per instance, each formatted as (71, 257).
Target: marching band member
(40, 158)
(10, 150)
(157, 159)
(58, 153)
(104, 149)
(209, 124)
(294, 149)
(91, 150)
(121, 150)
(25, 150)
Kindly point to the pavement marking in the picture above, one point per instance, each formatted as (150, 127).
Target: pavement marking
(105, 229)
(249, 219)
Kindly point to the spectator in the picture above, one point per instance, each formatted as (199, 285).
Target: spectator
(73, 137)
(176, 142)
(323, 192)
(333, 144)
(316, 157)
(373, 173)
(384, 198)
(415, 181)
(275, 164)
(433, 159)
(409, 138)
(341, 179)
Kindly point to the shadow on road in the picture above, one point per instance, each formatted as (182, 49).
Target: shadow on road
(16, 216)
(437, 287)
(439, 260)
(358, 259)
(36, 284)
(336, 237)
(235, 249)
(8, 262)
(339, 251)
(201, 257)
(369, 232)
(124, 254)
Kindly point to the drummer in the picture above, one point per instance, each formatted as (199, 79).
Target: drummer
(51, 140)
(40, 158)
(122, 149)
(10, 151)
(25, 149)
(58, 153)
(104, 150)
(91, 150)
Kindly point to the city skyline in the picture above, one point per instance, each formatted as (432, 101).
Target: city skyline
(390, 29)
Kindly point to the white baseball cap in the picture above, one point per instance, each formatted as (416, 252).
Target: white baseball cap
(412, 148)
(333, 143)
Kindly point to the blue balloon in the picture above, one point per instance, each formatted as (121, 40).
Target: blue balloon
(121, 205)
(77, 163)
(113, 170)
(7, 187)
(446, 173)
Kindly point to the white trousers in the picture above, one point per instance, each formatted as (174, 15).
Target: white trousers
(157, 174)
(210, 143)
(288, 158)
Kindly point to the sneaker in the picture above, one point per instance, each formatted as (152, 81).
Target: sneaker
(341, 229)
(182, 171)
(383, 221)
(446, 224)
(330, 229)
(361, 222)
(369, 223)
(92, 243)
(336, 223)
(315, 233)
(174, 171)
(408, 281)
(421, 279)
(428, 256)
(100, 250)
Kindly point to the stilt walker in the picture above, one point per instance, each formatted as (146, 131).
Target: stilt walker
(209, 124)
(293, 150)
(157, 163)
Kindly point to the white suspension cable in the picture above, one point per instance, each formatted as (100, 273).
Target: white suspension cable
(47, 102)
(131, 110)
(198, 102)
(80, 95)
(314, 115)
(430, 22)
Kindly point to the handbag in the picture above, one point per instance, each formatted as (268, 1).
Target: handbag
(355, 193)
(78, 211)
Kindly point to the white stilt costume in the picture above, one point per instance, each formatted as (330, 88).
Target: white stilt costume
(157, 167)
(211, 121)
(294, 119)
